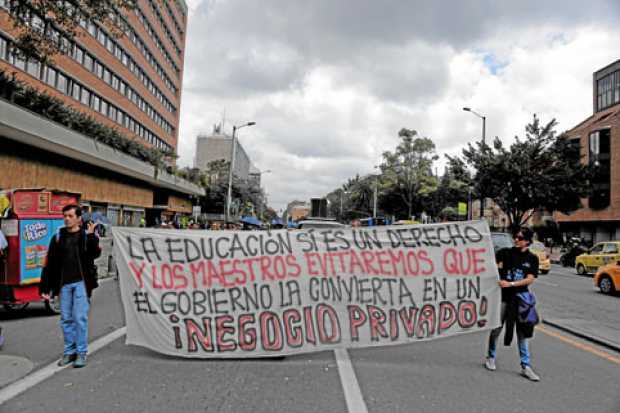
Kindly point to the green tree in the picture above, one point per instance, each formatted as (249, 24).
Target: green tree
(542, 171)
(44, 27)
(454, 187)
(407, 173)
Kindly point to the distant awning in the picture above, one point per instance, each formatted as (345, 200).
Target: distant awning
(251, 221)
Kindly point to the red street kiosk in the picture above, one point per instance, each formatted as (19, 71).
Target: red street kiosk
(29, 218)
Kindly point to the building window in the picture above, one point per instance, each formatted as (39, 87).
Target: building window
(95, 102)
(77, 90)
(4, 48)
(61, 83)
(608, 90)
(92, 29)
(107, 76)
(102, 37)
(85, 96)
(50, 79)
(104, 108)
(78, 54)
(599, 158)
(34, 68)
(88, 62)
(98, 69)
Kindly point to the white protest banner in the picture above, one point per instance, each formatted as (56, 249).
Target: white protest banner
(208, 294)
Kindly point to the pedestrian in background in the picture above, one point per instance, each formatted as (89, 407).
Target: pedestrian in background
(518, 268)
(70, 273)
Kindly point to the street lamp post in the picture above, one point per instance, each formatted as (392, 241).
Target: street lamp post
(342, 194)
(374, 203)
(232, 167)
(263, 200)
(375, 196)
(484, 127)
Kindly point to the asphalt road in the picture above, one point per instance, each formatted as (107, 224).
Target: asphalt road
(444, 375)
(573, 301)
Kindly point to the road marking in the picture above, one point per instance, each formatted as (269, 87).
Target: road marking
(352, 392)
(48, 371)
(579, 345)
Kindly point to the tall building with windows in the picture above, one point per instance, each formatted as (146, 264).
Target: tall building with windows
(598, 136)
(218, 146)
(130, 83)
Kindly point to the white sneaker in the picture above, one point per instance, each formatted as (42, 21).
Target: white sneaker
(527, 372)
(490, 364)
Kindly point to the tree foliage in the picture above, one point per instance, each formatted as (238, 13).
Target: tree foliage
(542, 171)
(454, 187)
(43, 27)
(247, 199)
(407, 172)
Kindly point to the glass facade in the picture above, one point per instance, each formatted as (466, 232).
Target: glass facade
(599, 152)
(608, 90)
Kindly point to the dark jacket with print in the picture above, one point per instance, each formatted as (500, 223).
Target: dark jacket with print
(89, 250)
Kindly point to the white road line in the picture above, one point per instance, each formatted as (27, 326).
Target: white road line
(48, 371)
(352, 392)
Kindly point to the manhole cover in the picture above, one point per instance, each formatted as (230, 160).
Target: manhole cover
(13, 368)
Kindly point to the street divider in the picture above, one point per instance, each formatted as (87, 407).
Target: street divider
(251, 294)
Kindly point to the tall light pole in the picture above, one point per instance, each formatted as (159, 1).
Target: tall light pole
(342, 194)
(484, 128)
(374, 203)
(232, 167)
(263, 200)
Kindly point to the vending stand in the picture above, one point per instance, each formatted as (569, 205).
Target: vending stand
(29, 218)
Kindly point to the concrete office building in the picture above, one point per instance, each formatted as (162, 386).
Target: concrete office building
(217, 146)
(598, 136)
(130, 83)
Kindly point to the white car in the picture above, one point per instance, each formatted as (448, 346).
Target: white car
(320, 224)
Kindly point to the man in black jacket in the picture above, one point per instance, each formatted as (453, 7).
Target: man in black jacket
(70, 273)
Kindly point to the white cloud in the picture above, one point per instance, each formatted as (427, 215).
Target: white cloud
(325, 112)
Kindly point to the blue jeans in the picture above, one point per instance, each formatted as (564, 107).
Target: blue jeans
(74, 305)
(524, 351)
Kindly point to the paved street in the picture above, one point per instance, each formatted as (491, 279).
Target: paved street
(445, 375)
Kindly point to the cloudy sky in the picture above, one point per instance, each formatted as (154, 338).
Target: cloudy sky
(330, 82)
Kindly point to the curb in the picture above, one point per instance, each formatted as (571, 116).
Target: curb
(599, 341)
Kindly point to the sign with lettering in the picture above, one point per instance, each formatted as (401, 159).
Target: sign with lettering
(257, 293)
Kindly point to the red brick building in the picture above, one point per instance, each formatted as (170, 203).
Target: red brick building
(599, 139)
(131, 83)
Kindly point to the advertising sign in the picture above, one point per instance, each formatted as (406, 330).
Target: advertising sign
(35, 237)
(31, 203)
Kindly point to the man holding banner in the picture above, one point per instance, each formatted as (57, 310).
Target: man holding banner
(518, 268)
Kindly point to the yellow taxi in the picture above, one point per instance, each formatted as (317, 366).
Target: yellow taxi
(607, 278)
(544, 262)
(600, 254)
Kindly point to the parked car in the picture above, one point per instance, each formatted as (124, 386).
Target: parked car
(501, 240)
(600, 254)
(544, 261)
(607, 278)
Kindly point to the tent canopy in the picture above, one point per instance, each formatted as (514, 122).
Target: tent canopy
(251, 221)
